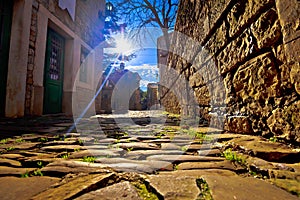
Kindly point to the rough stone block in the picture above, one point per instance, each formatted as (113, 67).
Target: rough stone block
(196, 80)
(267, 29)
(208, 71)
(218, 39)
(217, 120)
(295, 76)
(197, 10)
(217, 7)
(285, 123)
(216, 92)
(237, 51)
(204, 114)
(203, 96)
(257, 79)
(238, 124)
(289, 12)
(244, 12)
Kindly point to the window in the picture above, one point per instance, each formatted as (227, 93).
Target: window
(83, 75)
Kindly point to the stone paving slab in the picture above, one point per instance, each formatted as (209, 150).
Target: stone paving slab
(20, 146)
(184, 158)
(61, 148)
(269, 151)
(198, 173)
(226, 165)
(132, 167)
(236, 187)
(136, 146)
(24, 188)
(174, 187)
(13, 171)
(9, 162)
(121, 163)
(124, 191)
(11, 156)
(71, 189)
(64, 167)
(146, 153)
(96, 153)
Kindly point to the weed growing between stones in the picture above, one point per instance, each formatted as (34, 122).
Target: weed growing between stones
(234, 157)
(273, 139)
(194, 134)
(171, 115)
(77, 150)
(96, 141)
(43, 140)
(20, 140)
(80, 141)
(4, 141)
(65, 156)
(56, 136)
(89, 159)
(204, 190)
(129, 149)
(40, 164)
(10, 148)
(144, 192)
(36, 172)
(184, 148)
(175, 167)
(25, 175)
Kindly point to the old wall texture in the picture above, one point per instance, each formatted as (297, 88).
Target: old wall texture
(241, 61)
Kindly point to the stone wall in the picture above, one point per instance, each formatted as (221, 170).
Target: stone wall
(241, 62)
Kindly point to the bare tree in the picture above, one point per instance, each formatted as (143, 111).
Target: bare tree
(142, 14)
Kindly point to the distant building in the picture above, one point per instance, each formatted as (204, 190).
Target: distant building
(120, 92)
(152, 96)
(43, 43)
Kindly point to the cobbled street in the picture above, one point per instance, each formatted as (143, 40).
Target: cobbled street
(141, 155)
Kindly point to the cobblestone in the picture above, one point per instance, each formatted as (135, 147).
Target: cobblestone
(166, 161)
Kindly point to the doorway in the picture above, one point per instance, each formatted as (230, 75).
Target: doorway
(54, 68)
(5, 30)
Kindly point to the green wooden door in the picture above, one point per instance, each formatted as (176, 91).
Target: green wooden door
(5, 28)
(54, 67)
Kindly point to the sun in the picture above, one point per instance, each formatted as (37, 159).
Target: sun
(123, 44)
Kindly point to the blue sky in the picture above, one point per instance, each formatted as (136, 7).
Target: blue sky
(145, 49)
(145, 64)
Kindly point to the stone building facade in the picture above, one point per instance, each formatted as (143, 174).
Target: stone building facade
(241, 62)
(46, 45)
(152, 96)
(120, 91)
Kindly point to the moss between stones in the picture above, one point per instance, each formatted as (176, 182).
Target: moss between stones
(144, 192)
(204, 190)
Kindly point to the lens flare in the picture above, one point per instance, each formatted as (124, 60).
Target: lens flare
(123, 45)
